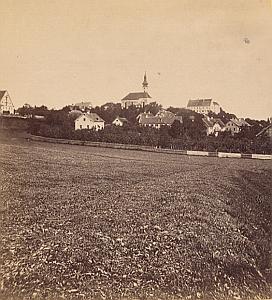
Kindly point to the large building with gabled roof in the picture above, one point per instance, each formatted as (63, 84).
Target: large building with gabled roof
(204, 106)
(139, 99)
(6, 105)
(89, 121)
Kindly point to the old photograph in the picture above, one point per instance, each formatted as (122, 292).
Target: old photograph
(136, 150)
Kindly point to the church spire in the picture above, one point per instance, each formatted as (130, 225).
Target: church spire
(145, 83)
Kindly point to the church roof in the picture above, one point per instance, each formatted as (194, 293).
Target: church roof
(136, 96)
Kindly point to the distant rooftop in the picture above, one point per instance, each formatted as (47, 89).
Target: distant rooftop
(199, 102)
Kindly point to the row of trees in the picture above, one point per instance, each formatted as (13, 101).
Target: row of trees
(188, 135)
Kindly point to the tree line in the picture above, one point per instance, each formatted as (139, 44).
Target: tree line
(188, 135)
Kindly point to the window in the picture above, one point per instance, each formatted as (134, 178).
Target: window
(80, 126)
(88, 127)
(84, 119)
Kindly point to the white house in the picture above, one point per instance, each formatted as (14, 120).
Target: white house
(204, 106)
(119, 121)
(235, 125)
(6, 105)
(89, 121)
(213, 125)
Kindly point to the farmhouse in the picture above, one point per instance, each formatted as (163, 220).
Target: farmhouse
(162, 118)
(203, 106)
(213, 125)
(138, 99)
(89, 121)
(235, 125)
(6, 105)
(119, 121)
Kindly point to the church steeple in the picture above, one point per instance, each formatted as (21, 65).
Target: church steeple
(145, 83)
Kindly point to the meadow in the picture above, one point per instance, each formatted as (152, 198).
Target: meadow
(91, 223)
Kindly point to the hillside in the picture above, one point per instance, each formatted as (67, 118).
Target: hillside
(92, 223)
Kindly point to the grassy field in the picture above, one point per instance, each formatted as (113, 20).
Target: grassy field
(92, 223)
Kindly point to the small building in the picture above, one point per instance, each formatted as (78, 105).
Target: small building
(162, 118)
(267, 131)
(203, 106)
(235, 125)
(138, 99)
(89, 121)
(213, 125)
(82, 106)
(6, 105)
(119, 121)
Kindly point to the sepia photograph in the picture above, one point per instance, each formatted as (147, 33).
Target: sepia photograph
(136, 150)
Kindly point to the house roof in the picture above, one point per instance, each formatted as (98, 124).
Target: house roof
(199, 102)
(239, 122)
(83, 104)
(2, 93)
(121, 119)
(92, 116)
(264, 130)
(165, 113)
(210, 122)
(156, 120)
(136, 96)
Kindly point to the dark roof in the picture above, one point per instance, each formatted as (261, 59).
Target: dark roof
(2, 93)
(264, 130)
(136, 96)
(199, 102)
(211, 122)
(153, 120)
(93, 117)
(83, 104)
(122, 119)
(239, 122)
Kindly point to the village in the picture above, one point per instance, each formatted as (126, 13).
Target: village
(208, 110)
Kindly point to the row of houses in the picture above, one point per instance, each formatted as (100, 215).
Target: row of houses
(163, 118)
(216, 125)
(94, 121)
(141, 99)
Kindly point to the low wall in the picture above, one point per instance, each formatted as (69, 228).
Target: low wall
(149, 148)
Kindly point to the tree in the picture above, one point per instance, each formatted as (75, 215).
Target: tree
(175, 129)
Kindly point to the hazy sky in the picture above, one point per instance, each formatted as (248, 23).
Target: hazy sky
(58, 52)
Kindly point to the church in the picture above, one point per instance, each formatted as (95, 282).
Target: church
(138, 99)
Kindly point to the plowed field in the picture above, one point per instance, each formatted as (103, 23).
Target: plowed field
(91, 223)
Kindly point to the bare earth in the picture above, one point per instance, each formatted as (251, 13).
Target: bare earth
(91, 223)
